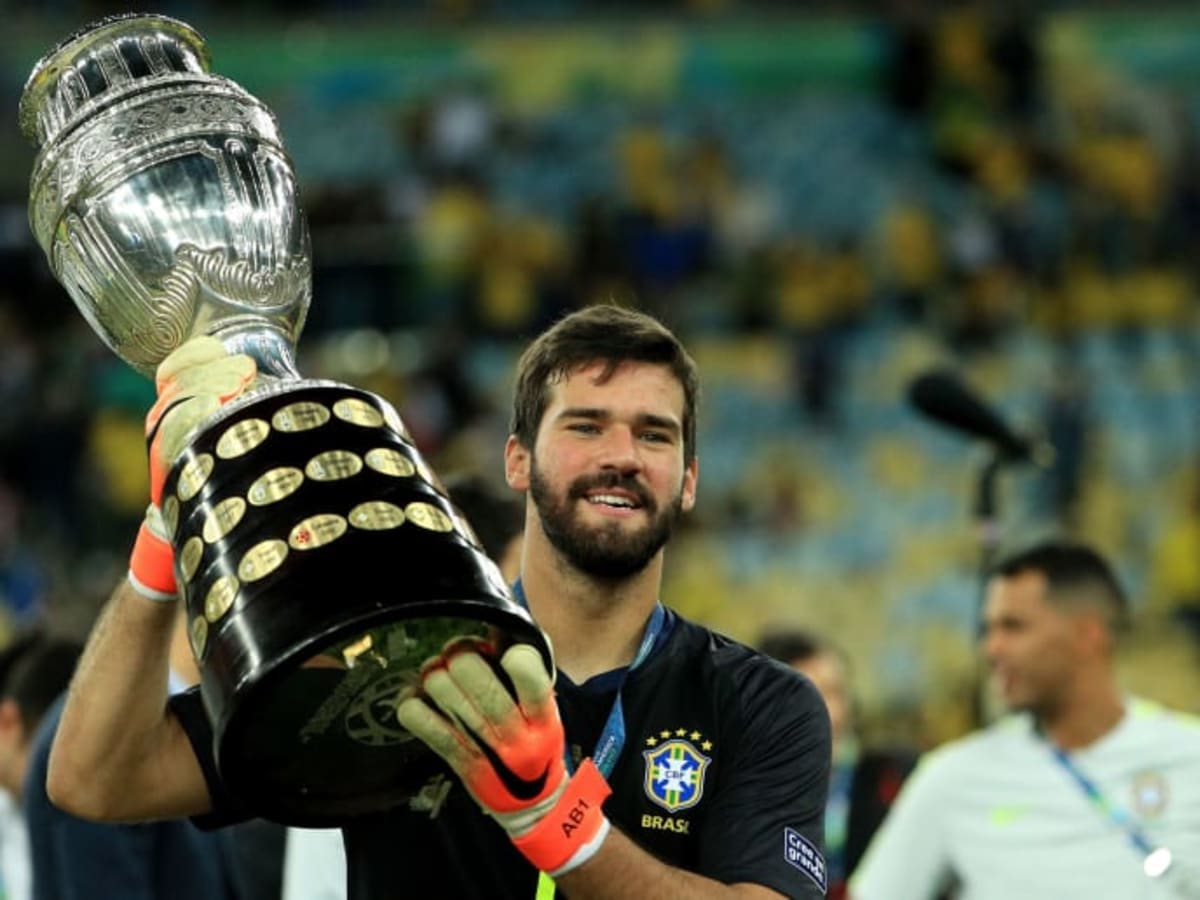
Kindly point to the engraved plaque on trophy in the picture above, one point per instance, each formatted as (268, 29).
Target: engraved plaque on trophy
(319, 557)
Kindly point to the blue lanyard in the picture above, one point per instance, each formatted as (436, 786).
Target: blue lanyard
(612, 739)
(1113, 813)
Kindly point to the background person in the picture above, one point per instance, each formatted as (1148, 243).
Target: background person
(22, 703)
(171, 858)
(1073, 795)
(863, 782)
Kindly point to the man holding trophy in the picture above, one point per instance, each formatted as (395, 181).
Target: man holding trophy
(344, 618)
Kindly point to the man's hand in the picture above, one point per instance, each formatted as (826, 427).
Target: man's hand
(193, 382)
(508, 751)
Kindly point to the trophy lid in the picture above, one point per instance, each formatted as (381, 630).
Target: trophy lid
(99, 64)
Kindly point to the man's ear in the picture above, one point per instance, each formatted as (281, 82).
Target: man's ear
(691, 475)
(1093, 632)
(517, 459)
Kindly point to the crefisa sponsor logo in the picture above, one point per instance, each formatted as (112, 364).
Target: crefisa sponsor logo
(802, 853)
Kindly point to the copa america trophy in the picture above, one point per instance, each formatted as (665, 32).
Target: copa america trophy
(319, 557)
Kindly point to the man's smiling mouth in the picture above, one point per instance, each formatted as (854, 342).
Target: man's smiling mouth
(616, 501)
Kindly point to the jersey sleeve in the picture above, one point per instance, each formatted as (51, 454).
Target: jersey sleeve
(767, 823)
(907, 859)
(226, 808)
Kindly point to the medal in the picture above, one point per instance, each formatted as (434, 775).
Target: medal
(1156, 864)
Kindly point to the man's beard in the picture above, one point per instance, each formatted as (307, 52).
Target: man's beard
(609, 551)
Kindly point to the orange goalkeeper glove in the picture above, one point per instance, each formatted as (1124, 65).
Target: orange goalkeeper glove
(193, 382)
(509, 752)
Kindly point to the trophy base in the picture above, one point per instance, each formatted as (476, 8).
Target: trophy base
(315, 741)
(322, 562)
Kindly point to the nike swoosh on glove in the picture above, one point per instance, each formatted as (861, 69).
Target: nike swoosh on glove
(508, 751)
(192, 383)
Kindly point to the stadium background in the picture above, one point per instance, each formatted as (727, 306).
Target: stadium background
(824, 199)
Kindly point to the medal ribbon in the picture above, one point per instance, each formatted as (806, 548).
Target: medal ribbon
(612, 739)
(1155, 860)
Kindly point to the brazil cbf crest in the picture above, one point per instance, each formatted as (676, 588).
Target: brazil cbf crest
(675, 770)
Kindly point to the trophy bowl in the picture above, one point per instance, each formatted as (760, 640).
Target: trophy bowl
(319, 558)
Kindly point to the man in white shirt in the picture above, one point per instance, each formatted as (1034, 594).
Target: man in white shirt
(1082, 793)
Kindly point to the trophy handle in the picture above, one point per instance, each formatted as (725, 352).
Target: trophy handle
(271, 349)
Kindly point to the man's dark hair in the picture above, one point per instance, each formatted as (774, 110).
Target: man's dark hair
(17, 646)
(1074, 573)
(39, 676)
(496, 517)
(798, 646)
(601, 333)
(793, 645)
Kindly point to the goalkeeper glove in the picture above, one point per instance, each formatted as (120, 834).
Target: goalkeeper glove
(508, 752)
(192, 382)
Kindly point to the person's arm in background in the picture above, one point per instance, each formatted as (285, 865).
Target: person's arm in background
(120, 754)
(907, 858)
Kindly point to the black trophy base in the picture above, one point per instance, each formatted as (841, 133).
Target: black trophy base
(316, 743)
(322, 562)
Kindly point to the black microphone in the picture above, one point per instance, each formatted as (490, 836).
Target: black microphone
(944, 398)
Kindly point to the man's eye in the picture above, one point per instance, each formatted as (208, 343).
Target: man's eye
(656, 437)
(584, 427)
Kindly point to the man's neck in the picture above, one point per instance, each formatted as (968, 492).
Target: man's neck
(594, 626)
(1085, 718)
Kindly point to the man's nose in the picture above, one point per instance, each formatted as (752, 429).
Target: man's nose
(992, 645)
(620, 450)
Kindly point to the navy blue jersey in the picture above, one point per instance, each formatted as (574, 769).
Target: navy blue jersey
(724, 773)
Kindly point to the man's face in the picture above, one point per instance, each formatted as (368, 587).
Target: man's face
(828, 676)
(1031, 645)
(606, 473)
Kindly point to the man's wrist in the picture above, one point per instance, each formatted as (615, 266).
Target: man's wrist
(573, 830)
(152, 566)
(585, 852)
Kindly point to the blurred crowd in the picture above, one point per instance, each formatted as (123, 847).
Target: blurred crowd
(991, 198)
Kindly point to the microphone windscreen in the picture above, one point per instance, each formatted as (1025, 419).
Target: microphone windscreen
(944, 398)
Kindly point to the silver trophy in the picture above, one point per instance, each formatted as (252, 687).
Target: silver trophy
(319, 557)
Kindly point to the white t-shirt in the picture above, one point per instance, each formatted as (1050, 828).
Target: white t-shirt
(16, 875)
(997, 815)
(314, 864)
